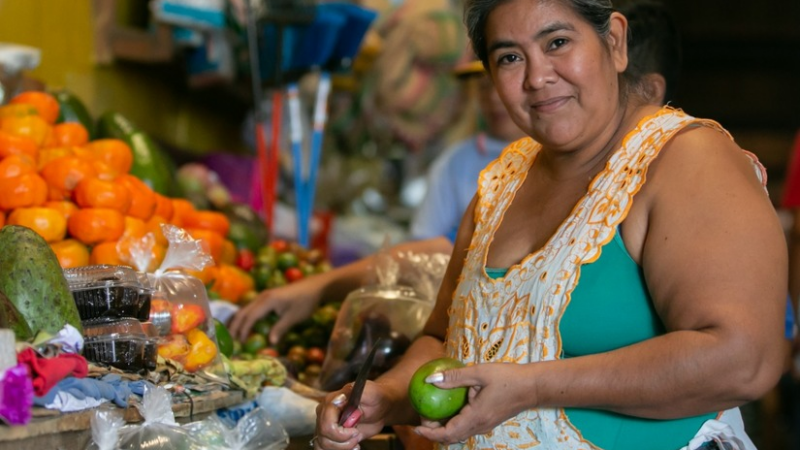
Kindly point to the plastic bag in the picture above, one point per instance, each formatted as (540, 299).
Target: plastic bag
(254, 431)
(391, 309)
(159, 430)
(297, 414)
(106, 425)
(179, 308)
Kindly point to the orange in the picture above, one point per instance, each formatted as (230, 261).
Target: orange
(114, 152)
(154, 226)
(11, 144)
(207, 275)
(49, 154)
(45, 104)
(104, 171)
(106, 253)
(95, 225)
(143, 199)
(65, 207)
(66, 172)
(28, 189)
(15, 165)
(180, 209)
(231, 283)
(67, 134)
(229, 252)
(211, 241)
(134, 227)
(164, 207)
(2, 219)
(49, 223)
(93, 192)
(71, 253)
(207, 220)
(18, 110)
(33, 127)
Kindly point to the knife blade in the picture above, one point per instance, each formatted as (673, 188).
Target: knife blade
(350, 413)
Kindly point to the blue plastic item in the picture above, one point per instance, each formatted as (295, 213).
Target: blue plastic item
(317, 41)
(358, 21)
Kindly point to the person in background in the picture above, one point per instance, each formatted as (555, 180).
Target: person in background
(655, 54)
(619, 279)
(452, 182)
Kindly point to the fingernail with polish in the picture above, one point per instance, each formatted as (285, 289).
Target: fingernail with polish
(339, 400)
(437, 377)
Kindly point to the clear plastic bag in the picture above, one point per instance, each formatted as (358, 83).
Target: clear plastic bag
(391, 309)
(106, 424)
(179, 308)
(159, 430)
(254, 431)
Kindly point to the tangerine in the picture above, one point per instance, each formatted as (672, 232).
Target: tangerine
(27, 189)
(96, 225)
(71, 253)
(46, 105)
(93, 192)
(48, 223)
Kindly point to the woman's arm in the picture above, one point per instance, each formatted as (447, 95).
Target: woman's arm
(715, 263)
(296, 302)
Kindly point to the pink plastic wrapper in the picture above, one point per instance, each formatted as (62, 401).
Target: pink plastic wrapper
(16, 395)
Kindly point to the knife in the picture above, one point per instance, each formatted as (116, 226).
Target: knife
(351, 414)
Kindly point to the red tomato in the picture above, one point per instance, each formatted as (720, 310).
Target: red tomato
(315, 355)
(268, 351)
(186, 316)
(279, 245)
(245, 260)
(293, 274)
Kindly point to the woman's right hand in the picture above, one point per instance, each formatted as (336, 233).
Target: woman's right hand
(293, 303)
(374, 407)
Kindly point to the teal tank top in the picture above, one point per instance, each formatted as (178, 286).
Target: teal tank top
(611, 308)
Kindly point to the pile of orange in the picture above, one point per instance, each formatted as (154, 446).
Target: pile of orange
(78, 195)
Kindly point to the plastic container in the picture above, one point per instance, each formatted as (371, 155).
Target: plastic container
(123, 344)
(393, 313)
(108, 291)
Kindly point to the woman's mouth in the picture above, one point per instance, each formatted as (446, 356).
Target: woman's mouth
(549, 105)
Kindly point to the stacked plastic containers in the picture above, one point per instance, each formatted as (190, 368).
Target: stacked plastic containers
(114, 307)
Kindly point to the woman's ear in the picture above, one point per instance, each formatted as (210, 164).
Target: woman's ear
(655, 86)
(618, 40)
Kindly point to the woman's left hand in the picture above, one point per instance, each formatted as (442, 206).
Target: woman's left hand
(497, 392)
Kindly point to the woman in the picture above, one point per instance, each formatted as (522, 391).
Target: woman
(594, 309)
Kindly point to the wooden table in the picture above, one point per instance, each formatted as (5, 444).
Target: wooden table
(51, 430)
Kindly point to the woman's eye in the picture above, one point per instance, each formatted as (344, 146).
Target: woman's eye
(556, 43)
(506, 59)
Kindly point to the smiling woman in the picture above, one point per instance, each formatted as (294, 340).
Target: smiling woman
(617, 282)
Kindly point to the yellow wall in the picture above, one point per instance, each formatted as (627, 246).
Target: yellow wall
(64, 31)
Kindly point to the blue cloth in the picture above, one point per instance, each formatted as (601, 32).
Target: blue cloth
(452, 182)
(111, 387)
(790, 318)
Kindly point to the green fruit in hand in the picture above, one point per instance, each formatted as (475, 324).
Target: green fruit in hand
(224, 339)
(431, 402)
(254, 343)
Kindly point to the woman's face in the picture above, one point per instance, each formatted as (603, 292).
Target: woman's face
(556, 76)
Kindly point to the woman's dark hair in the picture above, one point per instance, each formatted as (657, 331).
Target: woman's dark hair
(654, 44)
(476, 14)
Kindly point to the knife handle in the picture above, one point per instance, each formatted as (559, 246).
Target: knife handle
(350, 416)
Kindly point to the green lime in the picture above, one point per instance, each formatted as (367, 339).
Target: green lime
(261, 275)
(262, 327)
(431, 402)
(287, 260)
(276, 279)
(224, 339)
(243, 235)
(254, 343)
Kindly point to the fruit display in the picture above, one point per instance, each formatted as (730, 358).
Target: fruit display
(431, 401)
